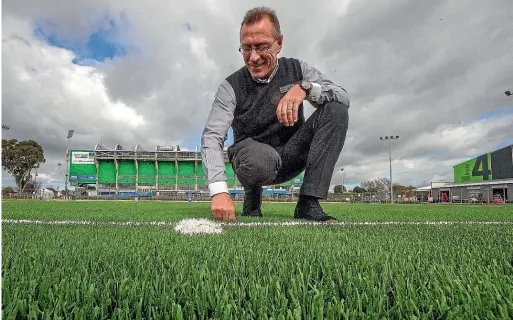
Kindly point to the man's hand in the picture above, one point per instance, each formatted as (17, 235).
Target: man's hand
(223, 207)
(287, 110)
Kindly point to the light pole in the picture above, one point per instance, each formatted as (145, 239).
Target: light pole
(389, 138)
(70, 134)
(36, 188)
(342, 170)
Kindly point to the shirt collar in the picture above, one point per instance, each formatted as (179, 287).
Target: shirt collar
(259, 80)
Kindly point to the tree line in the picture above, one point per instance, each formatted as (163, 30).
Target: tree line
(381, 186)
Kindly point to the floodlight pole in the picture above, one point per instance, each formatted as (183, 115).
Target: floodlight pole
(390, 161)
(70, 134)
(342, 170)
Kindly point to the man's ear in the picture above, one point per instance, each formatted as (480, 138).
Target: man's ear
(280, 43)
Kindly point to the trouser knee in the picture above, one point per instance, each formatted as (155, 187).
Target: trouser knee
(255, 164)
(337, 113)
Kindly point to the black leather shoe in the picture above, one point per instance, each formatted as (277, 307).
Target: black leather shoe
(252, 213)
(252, 202)
(310, 209)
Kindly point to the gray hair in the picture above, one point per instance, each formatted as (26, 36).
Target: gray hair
(258, 13)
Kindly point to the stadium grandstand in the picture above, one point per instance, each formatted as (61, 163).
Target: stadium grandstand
(138, 172)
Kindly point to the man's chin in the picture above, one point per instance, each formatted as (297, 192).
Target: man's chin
(260, 72)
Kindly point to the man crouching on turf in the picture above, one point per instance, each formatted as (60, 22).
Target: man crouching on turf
(263, 103)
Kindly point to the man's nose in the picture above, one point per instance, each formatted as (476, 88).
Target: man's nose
(254, 56)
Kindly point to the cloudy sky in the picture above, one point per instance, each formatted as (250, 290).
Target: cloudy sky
(145, 72)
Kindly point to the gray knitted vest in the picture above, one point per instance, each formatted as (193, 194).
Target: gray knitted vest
(255, 110)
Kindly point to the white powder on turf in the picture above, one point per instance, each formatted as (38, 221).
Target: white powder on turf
(197, 226)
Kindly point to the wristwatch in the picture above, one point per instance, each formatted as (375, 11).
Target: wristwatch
(306, 86)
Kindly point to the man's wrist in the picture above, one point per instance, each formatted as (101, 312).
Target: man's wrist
(217, 187)
(306, 86)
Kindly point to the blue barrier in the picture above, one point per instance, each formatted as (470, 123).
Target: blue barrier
(266, 191)
(127, 194)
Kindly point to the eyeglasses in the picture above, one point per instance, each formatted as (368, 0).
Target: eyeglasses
(261, 48)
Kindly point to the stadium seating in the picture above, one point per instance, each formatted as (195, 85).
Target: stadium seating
(167, 173)
(147, 173)
(106, 172)
(126, 171)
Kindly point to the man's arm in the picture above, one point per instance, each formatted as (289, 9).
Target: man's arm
(212, 139)
(323, 89)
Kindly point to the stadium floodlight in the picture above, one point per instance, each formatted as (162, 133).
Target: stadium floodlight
(5, 127)
(390, 138)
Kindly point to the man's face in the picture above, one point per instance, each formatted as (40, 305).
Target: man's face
(260, 37)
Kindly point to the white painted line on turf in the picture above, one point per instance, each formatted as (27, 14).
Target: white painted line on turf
(252, 224)
(87, 222)
(362, 223)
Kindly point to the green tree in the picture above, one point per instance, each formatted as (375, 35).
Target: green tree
(7, 190)
(338, 189)
(358, 189)
(19, 158)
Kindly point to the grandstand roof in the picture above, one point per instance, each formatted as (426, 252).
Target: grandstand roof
(138, 148)
(99, 147)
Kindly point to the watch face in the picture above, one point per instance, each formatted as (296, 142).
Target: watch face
(306, 84)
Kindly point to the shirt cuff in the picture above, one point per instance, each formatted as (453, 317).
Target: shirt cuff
(315, 93)
(218, 187)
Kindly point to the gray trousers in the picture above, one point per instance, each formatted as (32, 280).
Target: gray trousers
(314, 148)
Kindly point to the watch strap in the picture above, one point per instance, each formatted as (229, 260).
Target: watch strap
(307, 91)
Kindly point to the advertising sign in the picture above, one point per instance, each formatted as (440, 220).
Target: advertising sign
(490, 166)
(78, 157)
(83, 177)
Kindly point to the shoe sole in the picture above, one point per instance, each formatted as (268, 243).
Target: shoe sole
(245, 214)
(323, 219)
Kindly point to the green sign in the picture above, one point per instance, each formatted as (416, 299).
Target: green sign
(490, 166)
(477, 169)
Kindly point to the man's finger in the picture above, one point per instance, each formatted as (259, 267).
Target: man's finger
(285, 111)
(290, 113)
(229, 215)
(296, 111)
(278, 110)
